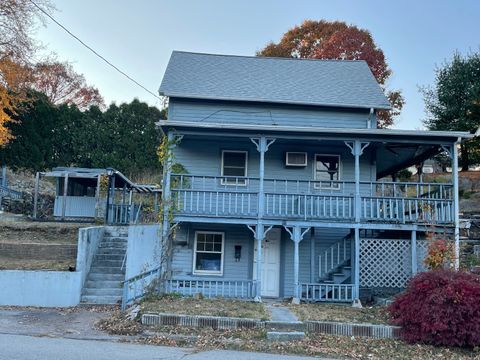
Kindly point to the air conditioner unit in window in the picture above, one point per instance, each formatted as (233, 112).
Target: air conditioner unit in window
(296, 159)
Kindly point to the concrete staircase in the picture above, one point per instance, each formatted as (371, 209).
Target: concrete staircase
(104, 281)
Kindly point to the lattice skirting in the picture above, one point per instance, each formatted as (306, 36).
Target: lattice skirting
(387, 263)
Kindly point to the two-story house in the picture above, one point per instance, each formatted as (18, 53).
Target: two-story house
(282, 189)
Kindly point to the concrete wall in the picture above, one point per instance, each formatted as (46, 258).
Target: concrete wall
(40, 288)
(88, 240)
(51, 288)
(143, 250)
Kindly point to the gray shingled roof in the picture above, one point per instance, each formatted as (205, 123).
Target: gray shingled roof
(276, 80)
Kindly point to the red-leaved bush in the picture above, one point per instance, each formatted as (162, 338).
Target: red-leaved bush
(440, 307)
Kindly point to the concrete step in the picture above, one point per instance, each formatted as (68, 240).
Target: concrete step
(107, 263)
(103, 284)
(106, 270)
(108, 257)
(102, 292)
(105, 277)
(285, 335)
(110, 251)
(115, 238)
(112, 244)
(106, 299)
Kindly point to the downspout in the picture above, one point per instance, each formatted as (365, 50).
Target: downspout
(369, 119)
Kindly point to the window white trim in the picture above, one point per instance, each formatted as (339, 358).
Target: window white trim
(319, 185)
(238, 183)
(222, 255)
(304, 153)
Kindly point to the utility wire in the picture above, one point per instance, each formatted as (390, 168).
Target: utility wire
(93, 51)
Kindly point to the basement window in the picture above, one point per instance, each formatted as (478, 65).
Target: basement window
(208, 253)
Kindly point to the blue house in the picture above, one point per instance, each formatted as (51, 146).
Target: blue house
(285, 189)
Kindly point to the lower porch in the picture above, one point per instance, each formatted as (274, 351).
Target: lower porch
(221, 260)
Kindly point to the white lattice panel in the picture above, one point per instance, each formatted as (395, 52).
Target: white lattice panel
(387, 263)
(422, 250)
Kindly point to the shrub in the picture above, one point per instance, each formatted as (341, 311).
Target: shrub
(440, 307)
(440, 254)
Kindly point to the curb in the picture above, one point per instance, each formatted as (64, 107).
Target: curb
(321, 327)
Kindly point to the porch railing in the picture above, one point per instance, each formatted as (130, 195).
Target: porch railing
(123, 214)
(312, 292)
(137, 286)
(312, 200)
(239, 289)
(333, 257)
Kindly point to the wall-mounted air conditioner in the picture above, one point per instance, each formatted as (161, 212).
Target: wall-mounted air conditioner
(296, 159)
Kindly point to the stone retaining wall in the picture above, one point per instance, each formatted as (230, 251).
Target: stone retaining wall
(323, 327)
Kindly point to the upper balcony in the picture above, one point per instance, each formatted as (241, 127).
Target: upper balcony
(305, 200)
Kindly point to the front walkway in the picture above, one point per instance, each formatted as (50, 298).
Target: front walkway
(280, 312)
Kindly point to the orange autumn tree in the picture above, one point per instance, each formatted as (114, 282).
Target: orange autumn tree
(18, 19)
(62, 85)
(337, 40)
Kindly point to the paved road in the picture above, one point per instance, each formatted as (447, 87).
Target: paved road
(20, 347)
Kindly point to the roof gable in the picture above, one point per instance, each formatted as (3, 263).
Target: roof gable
(275, 80)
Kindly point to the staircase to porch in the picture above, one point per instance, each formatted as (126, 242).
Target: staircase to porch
(107, 272)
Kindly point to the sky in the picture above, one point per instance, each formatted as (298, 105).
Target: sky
(139, 36)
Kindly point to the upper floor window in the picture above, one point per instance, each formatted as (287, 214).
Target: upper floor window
(234, 165)
(327, 171)
(208, 253)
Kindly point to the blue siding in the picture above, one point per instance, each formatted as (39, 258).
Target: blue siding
(182, 257)
(202, 156)
(222, 112)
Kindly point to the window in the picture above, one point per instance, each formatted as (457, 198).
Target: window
(296, 159)
(208, 253)
(234, 163)
(327, 171)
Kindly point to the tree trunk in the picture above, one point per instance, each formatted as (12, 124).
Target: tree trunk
(464, 156)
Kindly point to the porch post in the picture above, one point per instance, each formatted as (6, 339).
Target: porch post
(296, 235)
(262, 145)
(356, 268)
(35, 195)
(64, 200)
(97, 196)
(414, 251)
(456, 208)
(259, 235)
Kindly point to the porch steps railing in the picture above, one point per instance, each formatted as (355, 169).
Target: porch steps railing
(138, 286)
(333, 258)
(239, 289)
(322, 292)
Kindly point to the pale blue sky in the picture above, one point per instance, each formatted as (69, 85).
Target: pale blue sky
(138, 36)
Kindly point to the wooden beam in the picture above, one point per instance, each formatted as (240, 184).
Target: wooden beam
(65, 192)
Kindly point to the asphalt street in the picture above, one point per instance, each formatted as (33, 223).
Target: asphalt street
(21, 347)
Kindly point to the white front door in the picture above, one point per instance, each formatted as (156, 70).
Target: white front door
(270, 263)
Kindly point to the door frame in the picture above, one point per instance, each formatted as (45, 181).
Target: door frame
(279, 263)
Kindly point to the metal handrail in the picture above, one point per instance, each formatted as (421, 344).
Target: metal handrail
(125, 299)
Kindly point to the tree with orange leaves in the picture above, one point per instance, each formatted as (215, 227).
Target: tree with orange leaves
(17, 20)
(337, 40)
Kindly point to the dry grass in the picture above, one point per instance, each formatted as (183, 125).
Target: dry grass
(318, 345)
(341, 313)
(39, 232)
(209, 307)
(7, 263)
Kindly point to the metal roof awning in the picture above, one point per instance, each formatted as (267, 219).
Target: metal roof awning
(92, 173)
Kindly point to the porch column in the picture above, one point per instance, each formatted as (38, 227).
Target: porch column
(456, 208)
(35, 195)
(296, 235)
(65, 192)
(356, 147)
(356, 268)
(97, 196)
(259, 237)
(166, 194)
(414, 252)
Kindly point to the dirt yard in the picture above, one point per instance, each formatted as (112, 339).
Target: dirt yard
(38, 246)
(340, 313)
(210, 307)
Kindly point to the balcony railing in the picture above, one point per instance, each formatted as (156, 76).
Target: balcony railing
(312, 200)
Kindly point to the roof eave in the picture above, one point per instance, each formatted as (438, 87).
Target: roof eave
(290, 102)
